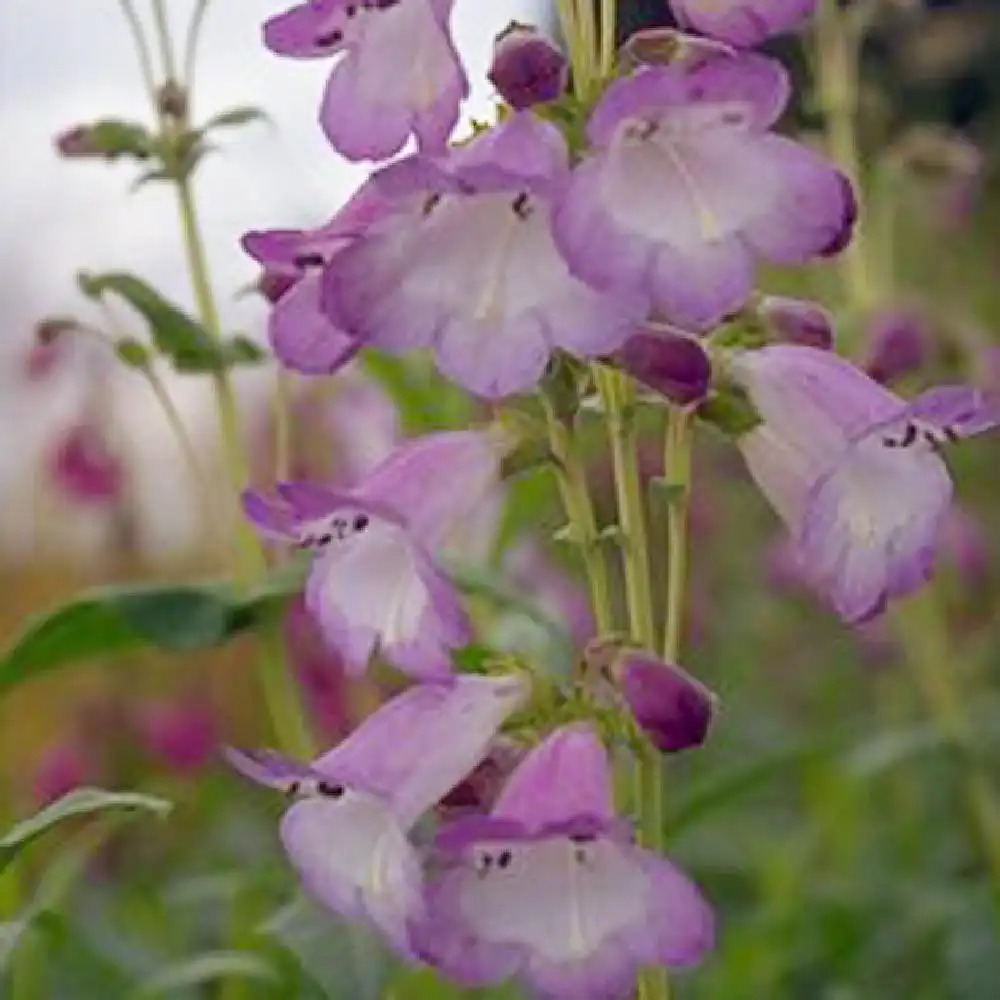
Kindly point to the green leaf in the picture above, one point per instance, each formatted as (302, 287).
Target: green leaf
(132, 352)
(79, 802)
(242, 115)
(175, 334)
(177, 618)
(208, 968)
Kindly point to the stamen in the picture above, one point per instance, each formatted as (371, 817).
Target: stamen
(522, 205)
(361, 522)
(430, 203)
(292, 790)
(909, 435)
(950, 433)
(310, 259)
(504, 859)
(334, 37)
(330, 790)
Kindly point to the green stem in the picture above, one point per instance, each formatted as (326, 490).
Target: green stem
(141, 47)
(164, 39)
(677, 473)
(838, 43)
(580, 513)
(618, 393)
(280, 693)
(609, 27)
(923, 633)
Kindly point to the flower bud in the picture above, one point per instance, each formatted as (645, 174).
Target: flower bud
(527, 68)
(50, 330)
(182, 736)
(668, 46)
(84, 467)
(79, 143)
(172, 99)
(668, 361)
(899, 341)
(797, 321)
(673, 709)
(63, 767)
(967, 546)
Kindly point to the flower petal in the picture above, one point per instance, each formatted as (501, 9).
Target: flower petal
(744, 23)
(302, 337)
(309, 31)
(275, 520)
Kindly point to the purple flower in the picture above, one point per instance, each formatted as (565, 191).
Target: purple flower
(183, 735)
(374, 581)
(398, 73)
(673, 709)
(669, 361)
(465, 264)
(85, 468)
(967, 545)
(898, 344)
(688, 186)
(797, 321)
(347, 832)
(301, 335)
(743, 23)
(853, 470)
(551, 888)
(527, 68)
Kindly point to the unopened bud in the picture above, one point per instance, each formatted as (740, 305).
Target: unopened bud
(172, 100)
(669, 361)
(79, 143)
(667, 46)
(673, 709)
(527, 68)
(51, 329)
(797, 321)
(899, 341)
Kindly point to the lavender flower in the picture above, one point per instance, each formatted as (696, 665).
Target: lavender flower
(687, 187)
(183, 735)
(743, 23)
(346, 833)
(398, 73)
(479, 215)
(527, 68)
(374, 581)
(898, 344)
(853, 470)
(551, 888)
(301, 335)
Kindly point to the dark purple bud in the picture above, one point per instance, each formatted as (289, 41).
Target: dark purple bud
(173, 100)
(182, 735)
(849, 216)
(673, 709)
(797, 321)
(79, 143)
(527, 68)
(669, 361)
(85, 468)
(899, 342)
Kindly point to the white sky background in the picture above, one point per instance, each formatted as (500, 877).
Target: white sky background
(64, 62)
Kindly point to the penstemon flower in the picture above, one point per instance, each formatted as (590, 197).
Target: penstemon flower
(744, 23)
(853, 470)
(374, 581)
(302, 337)
(527, 68)
(85, 468)
(550, 888)
(347, 831)
(397, 75)
(479, 215)
(687, 186)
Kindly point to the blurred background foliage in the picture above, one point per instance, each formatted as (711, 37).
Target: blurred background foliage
(828, 819)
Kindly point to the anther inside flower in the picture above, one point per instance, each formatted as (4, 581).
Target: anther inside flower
(398, 72)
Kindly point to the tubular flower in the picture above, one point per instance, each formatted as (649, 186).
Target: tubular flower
(743, 23)
(551, 888)
(374, 581)
(854, 470)
(687, 187)
(346, 832)
(465, 264)
(301, 336)
(398, 73)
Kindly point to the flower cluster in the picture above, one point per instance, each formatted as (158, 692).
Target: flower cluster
(612, 231)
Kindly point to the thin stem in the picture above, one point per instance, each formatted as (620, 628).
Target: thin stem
(571, 29)
(164, 39)
(141, 47)
(283, 443)
(191, 43)
(924, 636)
(618, 393)
(590, 55)
(677, 473)
(838, 43)
(609, 29)
(580, 513)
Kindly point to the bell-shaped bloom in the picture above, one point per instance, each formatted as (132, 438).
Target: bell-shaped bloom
(302, 337)
(550, 888)
(853, 470)
(85, 468)
(397, 74)
(673, 709)
(797, 321)
(465, 265)
(669, 361)
(346, 833)
(527, 68)
(688, 187)
(743, 23)
(374, 581)
(899, 342)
